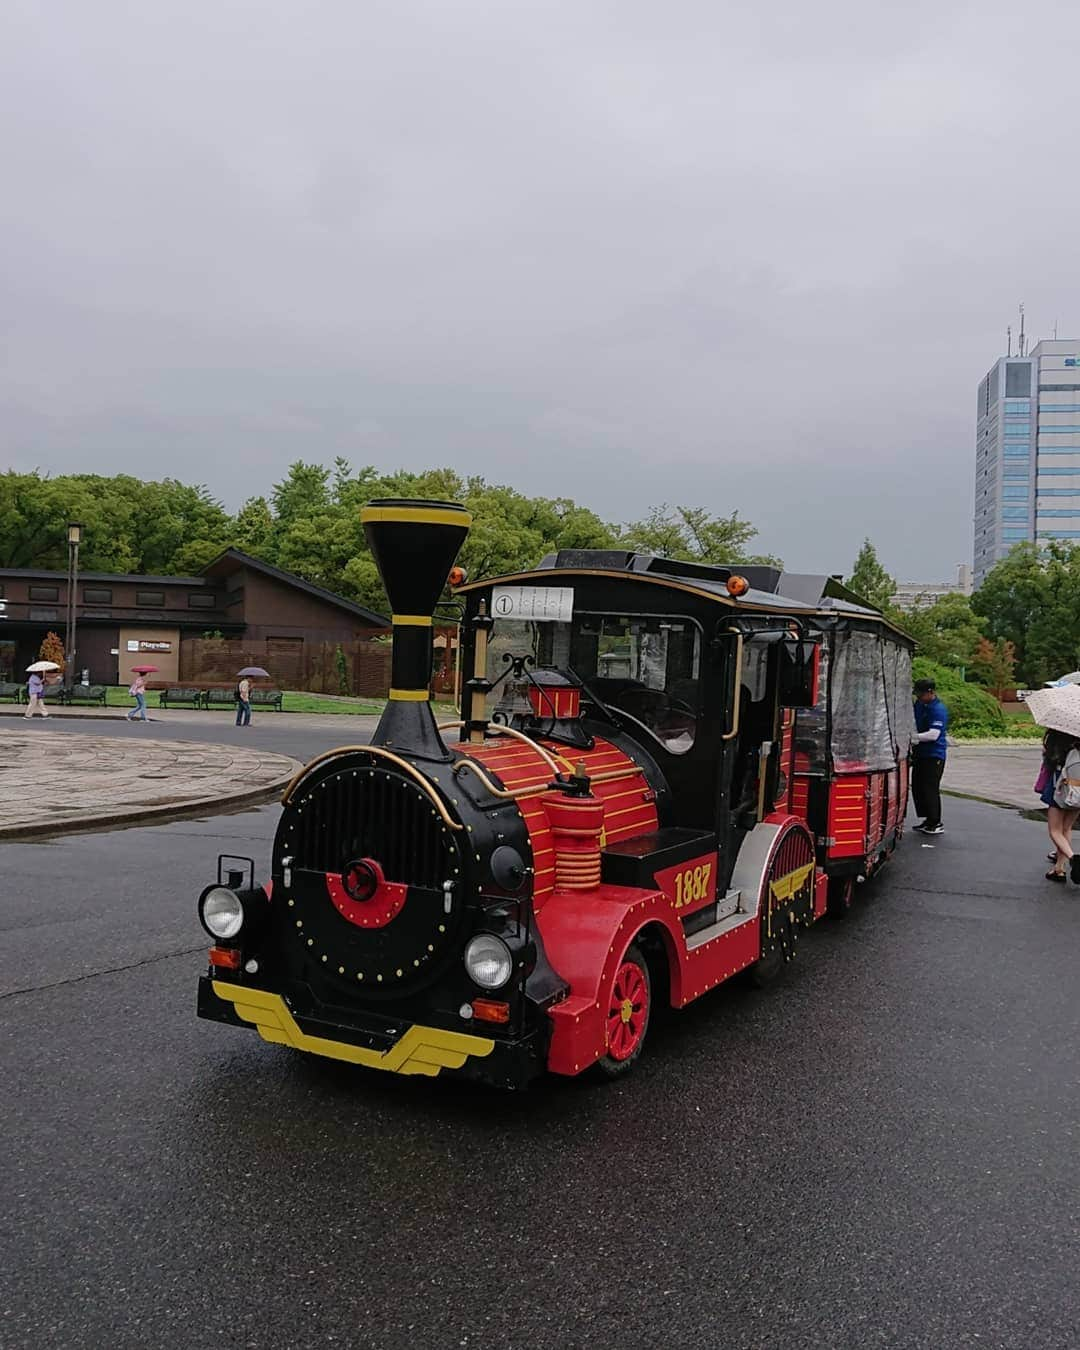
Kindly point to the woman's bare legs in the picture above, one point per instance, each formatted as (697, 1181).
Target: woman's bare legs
(1060, 824)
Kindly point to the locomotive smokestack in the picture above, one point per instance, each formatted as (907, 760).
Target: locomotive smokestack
(414, 544)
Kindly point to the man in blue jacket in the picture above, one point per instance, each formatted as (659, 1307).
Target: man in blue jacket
(929, 746)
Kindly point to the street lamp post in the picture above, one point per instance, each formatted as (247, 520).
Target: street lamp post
(74, 536)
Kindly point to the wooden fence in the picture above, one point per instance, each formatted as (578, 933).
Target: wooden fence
(314, 666)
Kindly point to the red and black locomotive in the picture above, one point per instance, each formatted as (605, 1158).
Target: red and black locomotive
(661, 773)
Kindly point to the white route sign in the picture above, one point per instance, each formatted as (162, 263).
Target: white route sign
(538, 604)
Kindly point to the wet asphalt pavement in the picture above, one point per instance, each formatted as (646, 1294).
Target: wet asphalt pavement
(878, 1150)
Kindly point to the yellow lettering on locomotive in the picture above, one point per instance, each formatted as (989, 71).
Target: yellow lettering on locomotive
(692, 885)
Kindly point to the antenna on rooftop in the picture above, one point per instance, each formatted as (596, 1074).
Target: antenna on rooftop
(1055, 330)
(1020, 350)
(1008, 339)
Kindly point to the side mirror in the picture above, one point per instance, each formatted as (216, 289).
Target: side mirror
(799, 674)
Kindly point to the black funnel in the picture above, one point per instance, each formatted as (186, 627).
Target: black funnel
(414, 544)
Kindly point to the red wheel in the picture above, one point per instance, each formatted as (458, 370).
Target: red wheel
(628, 1014)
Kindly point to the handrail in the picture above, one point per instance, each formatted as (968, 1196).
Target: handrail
(737, 687)
(498, 729)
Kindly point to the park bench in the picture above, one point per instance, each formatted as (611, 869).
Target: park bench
(260, 698)
(177, 694)
(84, 693)
(15, 692)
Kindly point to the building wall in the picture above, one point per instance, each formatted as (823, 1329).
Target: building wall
(1004, 460)
(147, 643)
(1057, 488)
(274, 609)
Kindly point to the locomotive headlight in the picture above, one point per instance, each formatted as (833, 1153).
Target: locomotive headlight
(488, 961)
(221, 912)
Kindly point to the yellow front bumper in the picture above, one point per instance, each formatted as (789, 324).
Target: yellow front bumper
(426, 1050)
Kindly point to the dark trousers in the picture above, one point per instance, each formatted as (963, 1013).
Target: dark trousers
(243, 713)
(926, 788)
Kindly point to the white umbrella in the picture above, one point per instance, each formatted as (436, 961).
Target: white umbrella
(1073, 677)
(40, 666)
(1058, 709)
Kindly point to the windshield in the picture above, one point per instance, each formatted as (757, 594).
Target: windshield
(647, 667)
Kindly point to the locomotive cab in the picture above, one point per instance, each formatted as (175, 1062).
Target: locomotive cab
(622, 810)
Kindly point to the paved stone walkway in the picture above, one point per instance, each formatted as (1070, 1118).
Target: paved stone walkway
(995, 773)
(52, 784)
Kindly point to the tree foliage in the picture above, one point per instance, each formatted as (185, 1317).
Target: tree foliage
(52, 649)
(1032, 600)
(947, 631)
(691, 534)
(869, 580)
(309, 523)
(995, 665)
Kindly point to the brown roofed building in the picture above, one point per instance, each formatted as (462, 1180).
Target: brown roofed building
(126, 620)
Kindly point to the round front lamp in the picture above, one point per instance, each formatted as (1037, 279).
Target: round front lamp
(488, 962)
(221, 912)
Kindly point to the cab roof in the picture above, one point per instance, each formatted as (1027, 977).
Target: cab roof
(771, 588)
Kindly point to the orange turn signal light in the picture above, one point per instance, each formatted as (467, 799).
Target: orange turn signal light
(487, 1010)
(458, 576)
(737, 585)
(229, 957)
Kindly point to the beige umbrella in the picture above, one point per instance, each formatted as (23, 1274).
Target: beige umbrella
(1058, 709)
(40, 666)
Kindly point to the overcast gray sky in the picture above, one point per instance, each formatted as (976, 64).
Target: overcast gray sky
(751, 256)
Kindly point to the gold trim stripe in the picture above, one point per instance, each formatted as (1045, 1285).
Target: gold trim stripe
(410, 695)
(783, 888)
(414, 515)
(422, 1050)
(412, 620)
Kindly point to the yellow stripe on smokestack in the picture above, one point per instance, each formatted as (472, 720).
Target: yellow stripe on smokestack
(414, 544)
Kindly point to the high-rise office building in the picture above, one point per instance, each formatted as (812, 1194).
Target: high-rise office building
(1027, 451)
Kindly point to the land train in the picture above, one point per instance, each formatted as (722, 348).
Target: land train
(660, 774)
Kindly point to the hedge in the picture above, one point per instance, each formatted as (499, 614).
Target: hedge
(972, 711)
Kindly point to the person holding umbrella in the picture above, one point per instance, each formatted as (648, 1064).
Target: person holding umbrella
(138, 692)
(1058, 709)
(35, 687)
(243, 693)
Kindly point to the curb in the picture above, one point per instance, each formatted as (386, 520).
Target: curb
(145, 815)
(1035, 811)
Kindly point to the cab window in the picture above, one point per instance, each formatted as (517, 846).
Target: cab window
(647, 668)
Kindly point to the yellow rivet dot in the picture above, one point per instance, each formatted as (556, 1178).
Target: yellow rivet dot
(379, 978)
(341, 970)
(442, 928)
(299, 923)
(311, 942)
(399, 974)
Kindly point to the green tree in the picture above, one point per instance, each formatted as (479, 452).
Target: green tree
(252, 527)
(869, 580)
(691, 534)
(1032, 599)
(947, 631)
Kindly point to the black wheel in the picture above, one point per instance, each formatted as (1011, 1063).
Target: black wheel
(841, 894)
(628, 1015)
(763, 972)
